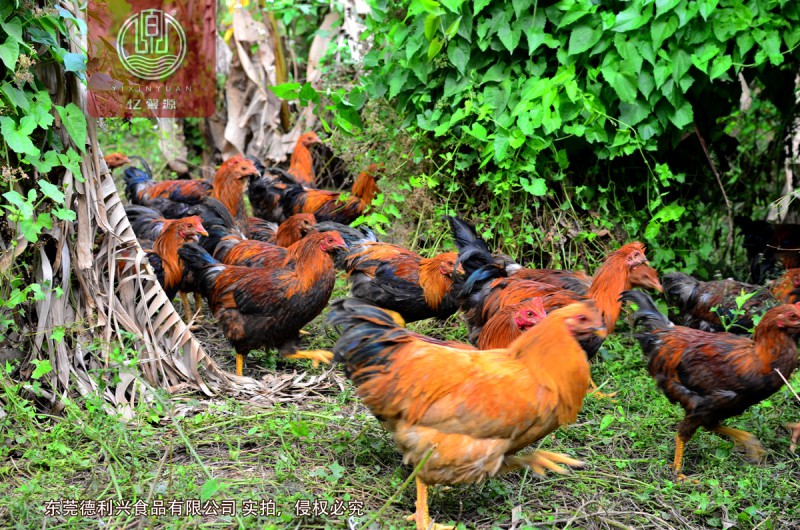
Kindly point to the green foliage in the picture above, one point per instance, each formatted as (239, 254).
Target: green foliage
(35, 157)
(576, 103)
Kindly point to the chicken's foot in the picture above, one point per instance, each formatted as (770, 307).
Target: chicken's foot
(755, 451)
(677, 464)
(317, 356)
(593, 391)
(421, 516)
(540, 461)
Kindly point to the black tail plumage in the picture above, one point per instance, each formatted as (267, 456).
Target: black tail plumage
(480, 267)
(204, 267)
(217, 221)
(680, 290)
(649, 317)
(368, 335)
(135, 179)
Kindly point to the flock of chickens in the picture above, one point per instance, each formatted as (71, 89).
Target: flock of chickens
(462, 411)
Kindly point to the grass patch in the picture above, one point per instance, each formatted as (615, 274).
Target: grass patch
(329, 454)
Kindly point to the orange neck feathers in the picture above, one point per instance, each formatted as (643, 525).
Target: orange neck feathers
(773, 340)
(302, 163)
(310, 263)
(166, 246)
(366, 187)
(609, 282)
(552, 352)
(228, 186)
(434, 280)
(294, 229)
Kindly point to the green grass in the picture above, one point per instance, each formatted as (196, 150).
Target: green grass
(329, 448)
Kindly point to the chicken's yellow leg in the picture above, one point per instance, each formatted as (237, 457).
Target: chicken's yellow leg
(755, 451)
(677, 464)
(187, 311)
(198, 305)
(239, 363)
(317, 356)
(421, 516)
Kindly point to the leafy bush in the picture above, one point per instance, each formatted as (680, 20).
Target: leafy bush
(35, 156)
(584, 107)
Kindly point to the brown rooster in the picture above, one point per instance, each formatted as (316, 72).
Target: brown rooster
(463, 415)
(716, 376)
(301, 164)
(399, 279)
(266, 307)
(288, 232)
(487, 289)
(280, 196)
(578, 281)
(786, 289)
(174, 278)
(712, 306)
(175, 198)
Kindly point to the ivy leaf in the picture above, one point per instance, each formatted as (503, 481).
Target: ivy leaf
(286, 90)
(509, 36)
(17, 136)
(69, 16)
(624, 84)
(706, 7)
(9, 53)
(582, 38)
(458, 51)
(501, 141)
(633, 18)
(51, 191)
(47, 163)
(75, 62)
(682, 116)
(13, 28)
(720, 65)
(479, 5)
(435, 47)
(64, 214)
(452, 5)
(535, 186)
(431, 25)
(75, 123)
(662, 6)
(43, 367)
(16, 97)
(663, 29)
(633, 113)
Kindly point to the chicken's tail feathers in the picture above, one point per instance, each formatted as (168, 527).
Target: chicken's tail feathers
(202, 264)
(281, 175)
(679, 289)
(134, 179)
(144, 163)
(369, 333)
(352, 235)
(648, 317)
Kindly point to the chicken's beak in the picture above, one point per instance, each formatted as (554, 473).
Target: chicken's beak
(202, 233)
(601, 332)
(657, 286)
